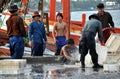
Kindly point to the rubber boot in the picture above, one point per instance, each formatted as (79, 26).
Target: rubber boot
(82, 59)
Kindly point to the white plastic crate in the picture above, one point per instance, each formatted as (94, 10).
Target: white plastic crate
(113, 43)
(11, 71)
(12, 66)
(111, 67)
(12, 63)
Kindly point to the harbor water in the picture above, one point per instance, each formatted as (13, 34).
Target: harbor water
(114, 13)
(77, 16)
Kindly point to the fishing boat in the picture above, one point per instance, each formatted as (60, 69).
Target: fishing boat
(75, 27)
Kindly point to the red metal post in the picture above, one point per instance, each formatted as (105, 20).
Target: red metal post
(66, 12)
(83, 19)
(52, 10)
(24, 2)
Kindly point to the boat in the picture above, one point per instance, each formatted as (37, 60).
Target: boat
(75, 27)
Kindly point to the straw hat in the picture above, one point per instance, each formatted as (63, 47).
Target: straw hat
(35, 13)
(13, 8)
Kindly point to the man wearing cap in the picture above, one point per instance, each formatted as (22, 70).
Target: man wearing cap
(36, 35)
(87, 42)
(106, 20)
(16, 32)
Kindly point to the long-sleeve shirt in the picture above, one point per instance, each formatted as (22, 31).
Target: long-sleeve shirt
(36, 32)
(15, 26)
(94, 26)
(106, 20)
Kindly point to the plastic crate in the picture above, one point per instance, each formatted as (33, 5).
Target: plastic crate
(111, 67)
(113, 43)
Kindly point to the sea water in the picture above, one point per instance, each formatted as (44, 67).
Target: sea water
(77, 16)
(114, 13)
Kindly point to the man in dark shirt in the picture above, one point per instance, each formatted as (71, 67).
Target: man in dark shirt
(16, 32)
(106, 20)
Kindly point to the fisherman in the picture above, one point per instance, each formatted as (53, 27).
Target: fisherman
(87, 42)
(16, 33)
(106, 20)
(37, 35)
(60, 33)
(69, 52)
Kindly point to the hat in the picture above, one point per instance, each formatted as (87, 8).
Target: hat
(93, 16)
(35, 13)
(100, 5)
(13, 8)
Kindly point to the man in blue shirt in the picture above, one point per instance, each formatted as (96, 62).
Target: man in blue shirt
(87, 42)
(36, 35)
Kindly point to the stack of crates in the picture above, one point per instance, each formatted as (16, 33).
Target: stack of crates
(12, 66)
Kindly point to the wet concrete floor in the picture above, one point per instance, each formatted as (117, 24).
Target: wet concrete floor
(57, 71)
(50, 70)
